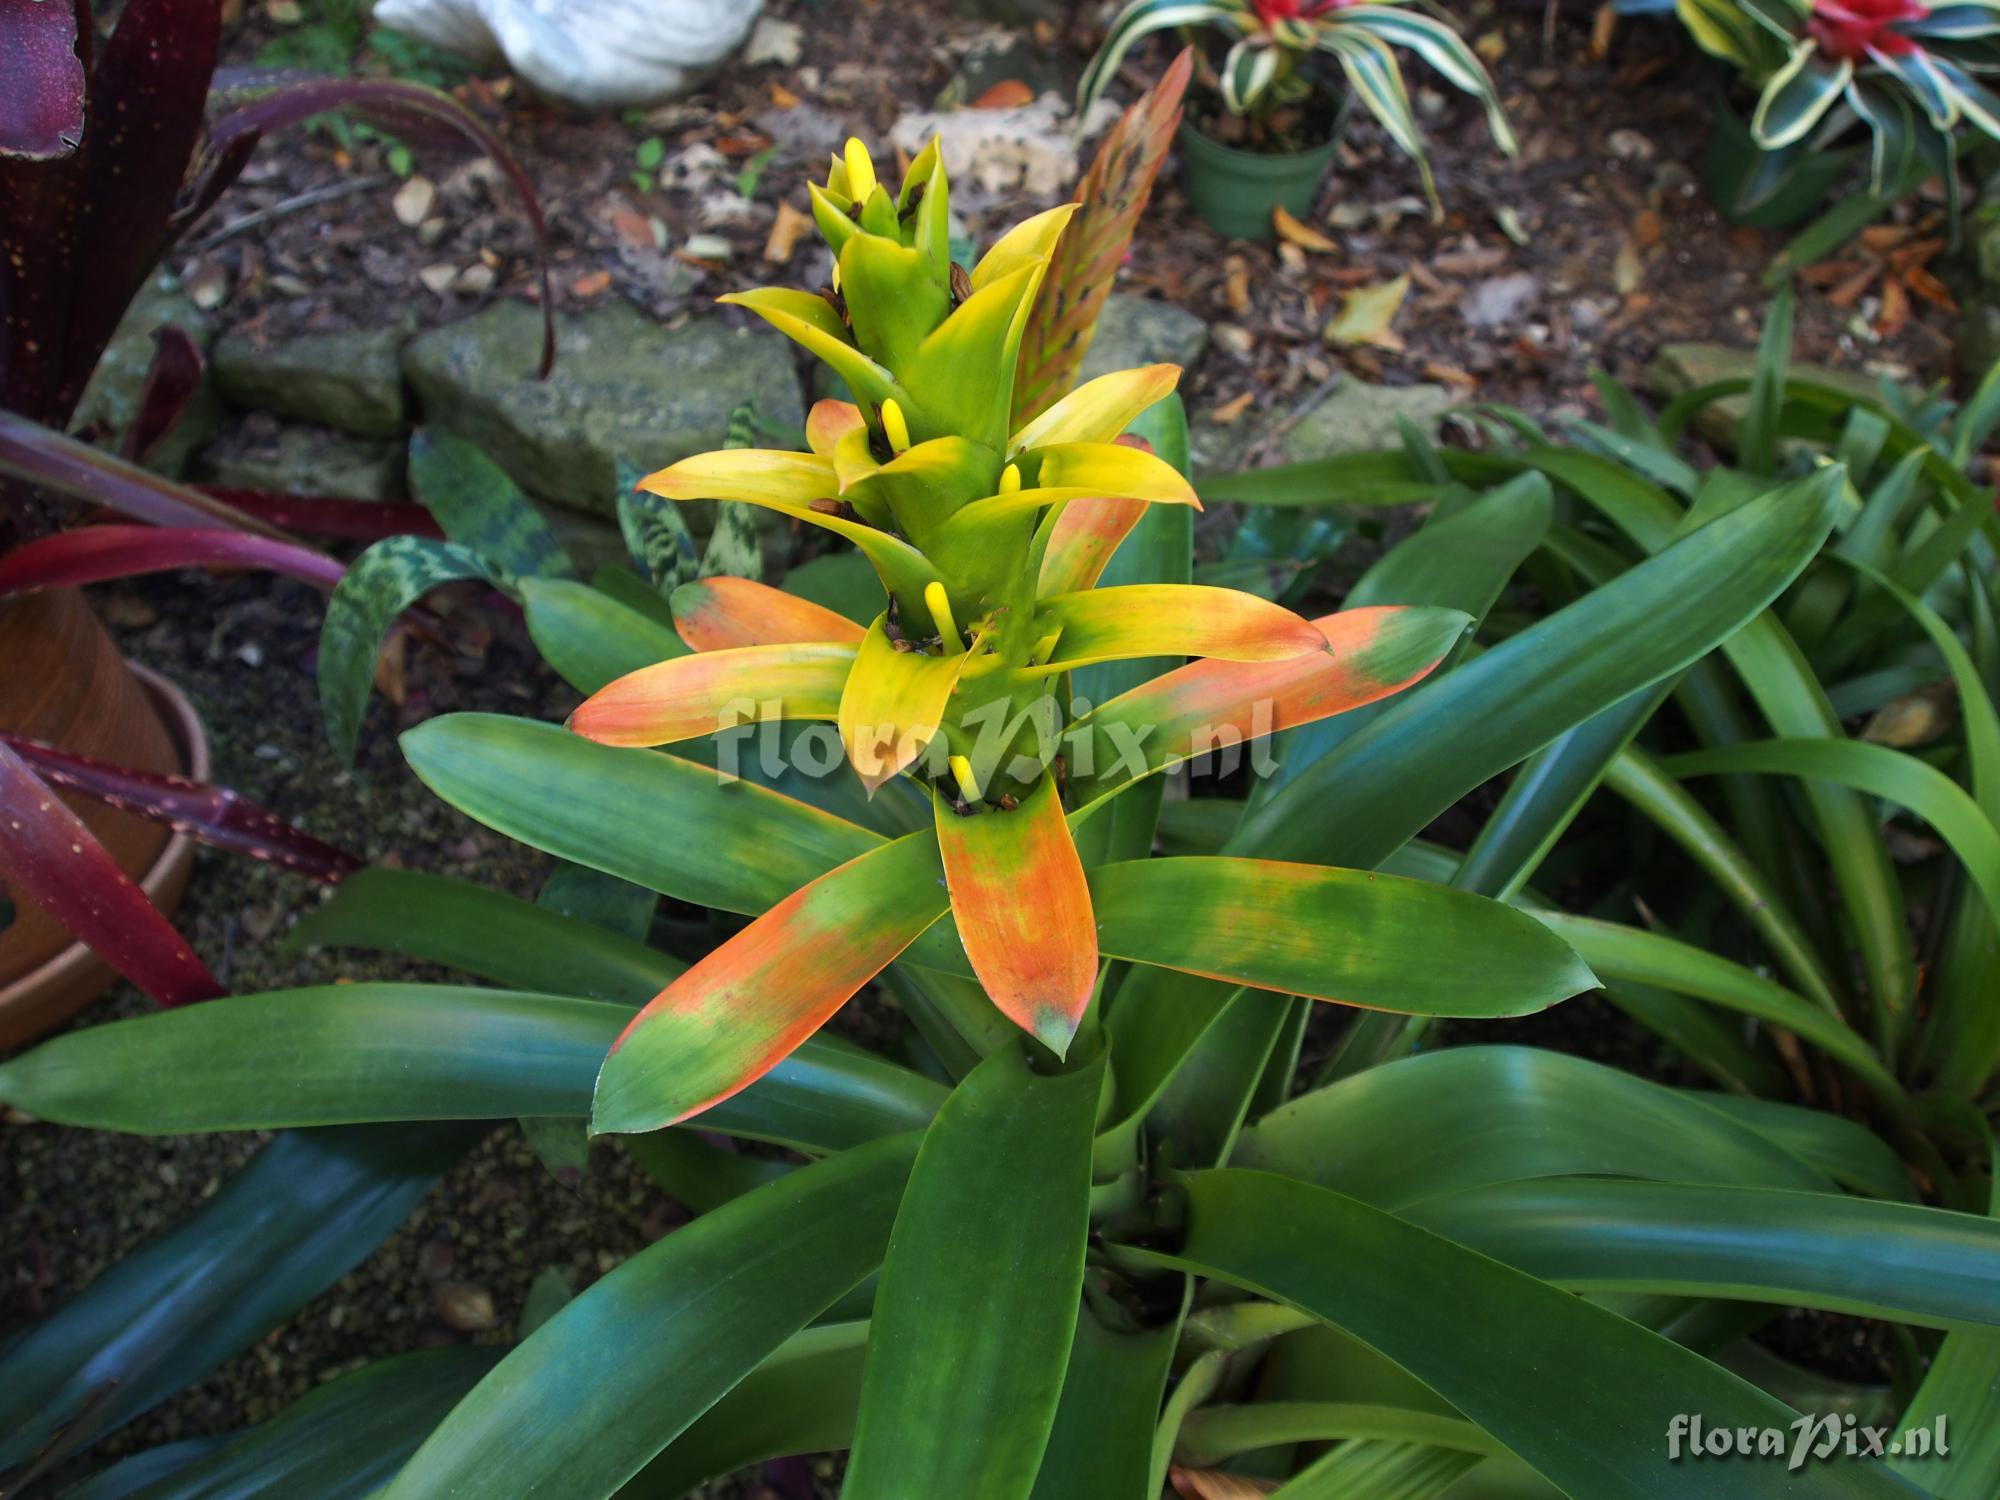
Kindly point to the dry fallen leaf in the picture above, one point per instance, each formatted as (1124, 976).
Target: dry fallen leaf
(1627, 270)
(1292, 232)
(1213, 1484)
(1008, 93)
(633, 229)
(1646, 229)
(1450, 375)
(1231, 409)
(1366, 314)
(783, 97)
(1236, 284)
(785, 232)
(1603, 26)
(592, 284)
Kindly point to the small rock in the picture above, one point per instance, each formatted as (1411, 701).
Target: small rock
(709, 247)
(1234, 339)
(1500, 300)
(465, 1307)
(208, 285)
(475, 280)
(431, 232)
(1629, 145)
(352, 381)
(438, 278)
(414, 200)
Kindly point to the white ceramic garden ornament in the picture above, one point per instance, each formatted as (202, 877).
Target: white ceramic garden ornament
(596, 54)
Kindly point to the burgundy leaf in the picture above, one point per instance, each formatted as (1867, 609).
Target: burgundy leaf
(403, 108)
(171, 381)
(42, 456)
(212, 815)
(321, 515)
(54, 861)
(95, 554)
(41, 107)
(148, 91)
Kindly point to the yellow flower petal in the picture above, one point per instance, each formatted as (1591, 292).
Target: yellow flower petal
(1098, 410)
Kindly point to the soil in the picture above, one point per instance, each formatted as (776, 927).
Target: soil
(1599, 241)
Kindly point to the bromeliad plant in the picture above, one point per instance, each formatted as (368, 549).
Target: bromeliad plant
(1133, 1263)
(989, 537)
(1269, 69)
(1905, 74)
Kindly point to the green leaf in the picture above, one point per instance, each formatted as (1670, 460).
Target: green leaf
(612, 1379)
(590, 896)
(342, 1439)
(376, 1052)
(656, 535)
(481, 509)
(523, 945)
(1376, 941)
(1618, 1385)
(1413, 761)
(1457, 561)
(588, 636)
(978, 1302)
(1101, 1443)
(1901, 1261)
(305, 1211)
(383, 582)
(1395, 1135)
(635, 814)
(1798, 97)
(800, 1400)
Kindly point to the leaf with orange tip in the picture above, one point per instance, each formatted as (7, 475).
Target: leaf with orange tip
(691, 696)
(1023, 911)
(1113, 194)
(830, 421)
(1081, 539)
(720, 613)
(892, 704)
(748, 1005)
(1171, 619)
(1211, 705)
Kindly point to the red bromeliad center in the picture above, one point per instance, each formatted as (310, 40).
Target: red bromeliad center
(1853, 29)
(1270, 12)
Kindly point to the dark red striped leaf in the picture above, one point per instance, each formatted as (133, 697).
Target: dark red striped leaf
(54, 861)
(95, 554)
(212, 815)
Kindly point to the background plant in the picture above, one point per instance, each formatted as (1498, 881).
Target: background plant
(1273, 45)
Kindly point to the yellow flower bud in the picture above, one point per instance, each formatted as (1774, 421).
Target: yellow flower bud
(1010, 480)
(860, 170)
(939, 604)
(961, 772)
(894, 427)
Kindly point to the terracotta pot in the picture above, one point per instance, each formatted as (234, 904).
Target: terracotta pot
(78, 692)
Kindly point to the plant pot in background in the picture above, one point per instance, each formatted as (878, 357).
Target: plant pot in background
(67, 684)
(1235, 191)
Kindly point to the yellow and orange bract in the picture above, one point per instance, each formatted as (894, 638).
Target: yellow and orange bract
(1032, 940)
(714, 614)
(989, 539)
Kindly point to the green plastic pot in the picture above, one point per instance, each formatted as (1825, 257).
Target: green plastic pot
(1235, 191)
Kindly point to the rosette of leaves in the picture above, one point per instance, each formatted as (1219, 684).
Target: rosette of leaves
(1273, 46)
